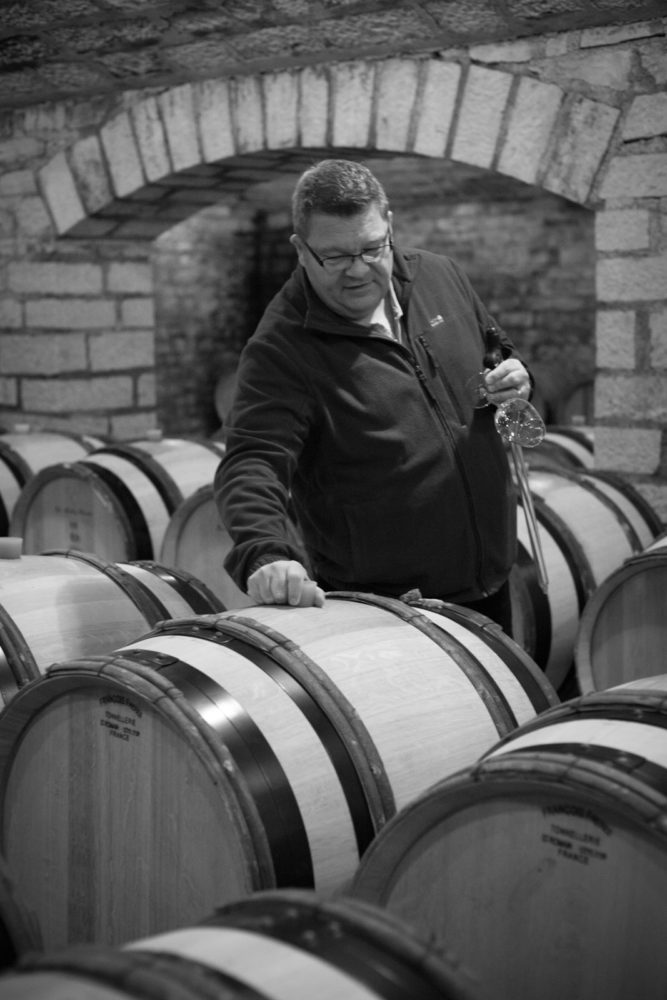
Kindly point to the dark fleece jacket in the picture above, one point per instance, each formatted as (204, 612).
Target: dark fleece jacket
(397, 482)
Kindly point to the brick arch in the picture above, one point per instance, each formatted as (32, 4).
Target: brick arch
(172, 153)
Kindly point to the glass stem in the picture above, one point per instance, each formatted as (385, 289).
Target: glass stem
(529, 513)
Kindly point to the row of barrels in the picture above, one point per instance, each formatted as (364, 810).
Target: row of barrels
(152, 500)
(408, 755)
(122, 501)
(62, 605)
(405, 756)
(225, 755)
(137, 479)
(590, 524)
(121, 495)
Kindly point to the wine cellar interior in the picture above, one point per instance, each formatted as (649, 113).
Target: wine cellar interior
(206, 798)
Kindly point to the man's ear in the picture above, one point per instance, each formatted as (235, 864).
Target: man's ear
(298, 246)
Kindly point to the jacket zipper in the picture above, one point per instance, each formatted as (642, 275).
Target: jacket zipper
(423, 381)
(437, 370)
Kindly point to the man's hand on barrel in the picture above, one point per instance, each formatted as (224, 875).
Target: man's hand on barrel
(284, 581)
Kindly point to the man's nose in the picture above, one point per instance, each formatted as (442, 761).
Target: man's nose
(358, 263)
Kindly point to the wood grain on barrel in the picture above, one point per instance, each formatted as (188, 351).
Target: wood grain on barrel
(310, 726)
(544, 865)
(128, 806)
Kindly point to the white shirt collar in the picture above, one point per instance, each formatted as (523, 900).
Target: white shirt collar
(380, 315)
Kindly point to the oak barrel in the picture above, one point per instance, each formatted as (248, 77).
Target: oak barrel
(266, 748)
(568, 447)
(543, 866)
(643, 519)
(23, 453)
(545, 623)
(115, 502)
(196, 540)
(602, 526)
(289, 945)
(64, 604)
(588, 524)
(622, 633)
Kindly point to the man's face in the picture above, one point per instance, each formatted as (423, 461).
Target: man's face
(355, 290)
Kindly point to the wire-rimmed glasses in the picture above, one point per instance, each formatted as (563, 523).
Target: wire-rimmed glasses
(343, 261)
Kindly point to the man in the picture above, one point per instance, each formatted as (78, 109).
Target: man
(352, 404)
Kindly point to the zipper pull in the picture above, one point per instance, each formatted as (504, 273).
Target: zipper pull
(421, 375)
(419, 371)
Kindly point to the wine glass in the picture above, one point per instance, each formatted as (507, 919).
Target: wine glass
(476, 390)
(517, 421)
(520, 426)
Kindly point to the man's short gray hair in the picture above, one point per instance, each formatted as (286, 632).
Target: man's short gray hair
(335, 187)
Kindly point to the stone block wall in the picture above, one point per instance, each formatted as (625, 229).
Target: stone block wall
(77, 348)
(207, 303)
(580, 114)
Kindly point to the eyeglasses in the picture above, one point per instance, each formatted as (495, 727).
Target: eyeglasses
(341, 262)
